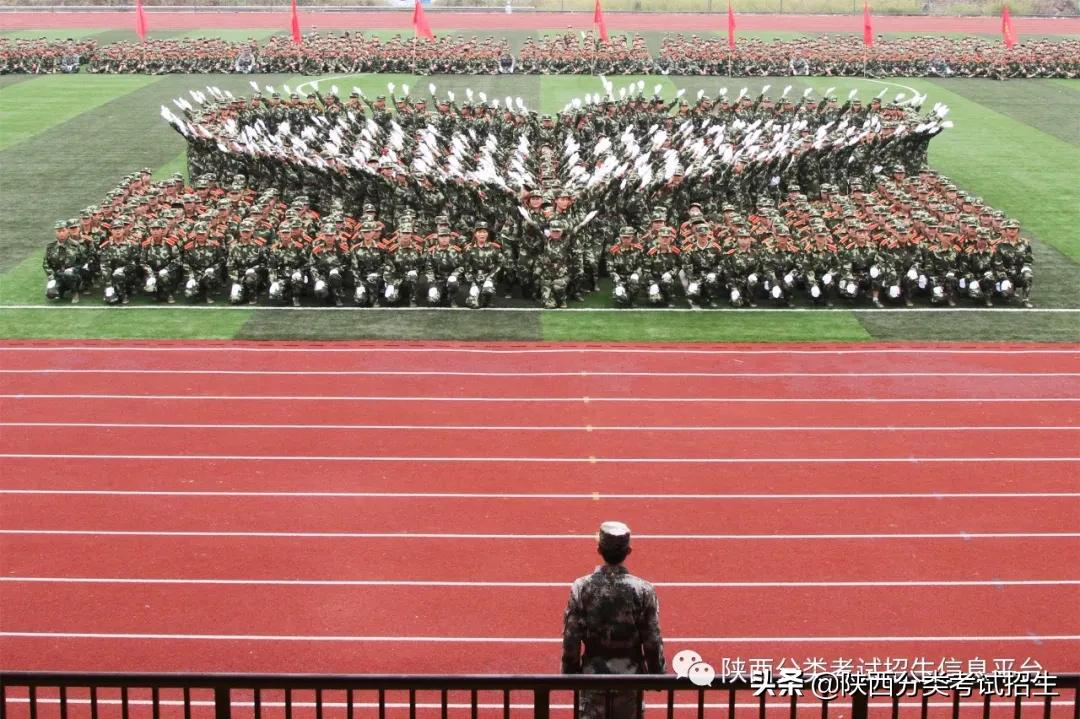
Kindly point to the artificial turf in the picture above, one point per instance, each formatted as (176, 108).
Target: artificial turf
(66, 140)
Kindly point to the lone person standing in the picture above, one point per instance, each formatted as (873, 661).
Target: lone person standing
(612, 626)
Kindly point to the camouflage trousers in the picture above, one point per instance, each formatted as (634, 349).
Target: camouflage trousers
(553, 291)
(611, 705)
(67, 280)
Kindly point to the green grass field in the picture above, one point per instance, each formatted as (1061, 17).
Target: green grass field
(66, 140)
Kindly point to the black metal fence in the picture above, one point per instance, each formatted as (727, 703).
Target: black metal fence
(34, 695)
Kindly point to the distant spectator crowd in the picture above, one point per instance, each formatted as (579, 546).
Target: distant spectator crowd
(569, 53)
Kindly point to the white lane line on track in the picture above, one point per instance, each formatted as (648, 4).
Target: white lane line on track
(541, 460)
(1026, 638)
(533, 585)
(616, 350)
(552, 428)
(589, 497)
(585, 400)
(525, 375)
(516, 537)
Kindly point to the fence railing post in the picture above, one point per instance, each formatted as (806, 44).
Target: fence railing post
(541, 703)
(222, 703)
(860, 704)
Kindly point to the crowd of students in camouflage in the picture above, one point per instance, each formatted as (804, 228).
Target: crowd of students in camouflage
(721, 201)
(912, 239)
(846, 55)
(570, 53)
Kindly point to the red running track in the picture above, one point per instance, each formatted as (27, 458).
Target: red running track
(834, 501)
(494, 21)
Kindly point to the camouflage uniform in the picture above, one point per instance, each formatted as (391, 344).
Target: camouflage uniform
(484, 261)
(612, 626)
(160, 259)
(246, 265)
(203, 261)
(626, 261)
(63, 265)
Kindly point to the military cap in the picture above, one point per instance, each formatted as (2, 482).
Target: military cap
(557, 225)
(613, 535)
(158, 223)
(1011, 223)
(659, 214)
(60, 225)
(480, 225)
(202, 227)
(369, 226)
(627, 230)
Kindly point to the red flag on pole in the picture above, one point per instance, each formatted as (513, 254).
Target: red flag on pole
(294, 24)
(419, 22)
(598, 20)
(867, 25)
(730, 27)
(140, 20)
(1008, 32)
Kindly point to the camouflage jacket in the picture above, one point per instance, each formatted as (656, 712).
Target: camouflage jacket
(612, 625)
(159, 255)
(443, 262)
(200, 257)
(624, 260)
(59, 257)
(243, 256)
(483, 261)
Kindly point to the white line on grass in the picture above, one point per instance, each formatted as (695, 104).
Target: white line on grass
(592, 496)
(538, 460)
(1025, 638)
(966, 536)
(532, 585)
(585, 400)
(588, 310)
